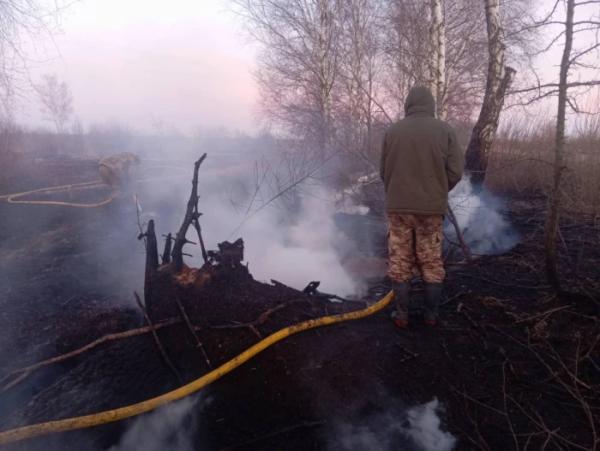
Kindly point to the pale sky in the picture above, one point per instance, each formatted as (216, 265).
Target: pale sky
(181, 63)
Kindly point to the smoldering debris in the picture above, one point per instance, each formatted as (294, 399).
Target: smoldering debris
(425, 428)
(170, 427)
(478, 213)
(293, 244)
(418, 428)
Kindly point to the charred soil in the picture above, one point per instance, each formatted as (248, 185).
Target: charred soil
(514, 364)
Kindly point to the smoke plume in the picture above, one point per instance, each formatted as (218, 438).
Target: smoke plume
(169, 427)
(478, 213)
(294, 244)
(418, 428)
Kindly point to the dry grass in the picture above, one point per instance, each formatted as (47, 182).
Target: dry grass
(522, 162)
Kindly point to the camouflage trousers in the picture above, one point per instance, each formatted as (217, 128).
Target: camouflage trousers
(415, 247)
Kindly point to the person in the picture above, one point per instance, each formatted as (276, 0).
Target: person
(116, 171)
(420, 163)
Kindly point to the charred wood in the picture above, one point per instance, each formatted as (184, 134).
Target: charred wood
(166, 256)
(151, 265)
(196, 224)
(311, 288)
(191, 214)
(229, 254)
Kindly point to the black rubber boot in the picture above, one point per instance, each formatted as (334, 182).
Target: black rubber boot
(402, 297)
(433, 296)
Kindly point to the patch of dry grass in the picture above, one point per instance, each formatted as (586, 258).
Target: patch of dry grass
(522, 163)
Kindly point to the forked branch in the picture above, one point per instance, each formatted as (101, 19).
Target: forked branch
(191, 216)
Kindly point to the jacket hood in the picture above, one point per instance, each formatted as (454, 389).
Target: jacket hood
(419, 101)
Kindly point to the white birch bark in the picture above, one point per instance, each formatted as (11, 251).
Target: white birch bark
(438, 56)
(499, 78)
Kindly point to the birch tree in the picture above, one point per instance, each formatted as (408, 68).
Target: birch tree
(499, 78)
(437, 35)
(438, 57)
(299, 63)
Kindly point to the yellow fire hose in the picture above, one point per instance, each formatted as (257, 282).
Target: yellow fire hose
(12, 198)
(121, 413)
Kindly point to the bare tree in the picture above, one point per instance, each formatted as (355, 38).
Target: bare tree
(438, 56)
(559, 150)
(437, 40)
(358, 112)
(21, 23)
(579, 29)
(299, 63)
(56, 100)
(334, 73)
(499, 78)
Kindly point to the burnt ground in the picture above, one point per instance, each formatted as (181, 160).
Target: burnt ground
(513, 364)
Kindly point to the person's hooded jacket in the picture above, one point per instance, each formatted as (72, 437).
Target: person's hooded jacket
(420, 160)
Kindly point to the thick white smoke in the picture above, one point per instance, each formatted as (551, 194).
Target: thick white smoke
(425, 428)
(477, 212)
(419, 429)
(163, 429)
(294, 250)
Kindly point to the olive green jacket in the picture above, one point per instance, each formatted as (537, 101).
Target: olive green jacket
(420, 160)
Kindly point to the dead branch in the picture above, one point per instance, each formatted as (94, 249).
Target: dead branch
(159, 345)
(263, 318)
(506, 413)
(409, 355)
(468, 397)
(25, 372)
(270, 435)
(191, 214)
(572, 388)
(501, 284)
(453, 298)
(190, 327)
(196, 224)
(543, 314)
(461, 239)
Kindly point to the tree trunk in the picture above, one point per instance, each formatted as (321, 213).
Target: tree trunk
(166, 256)
(498, 81)
(438, 56)
(151, 266)
(552, 219)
